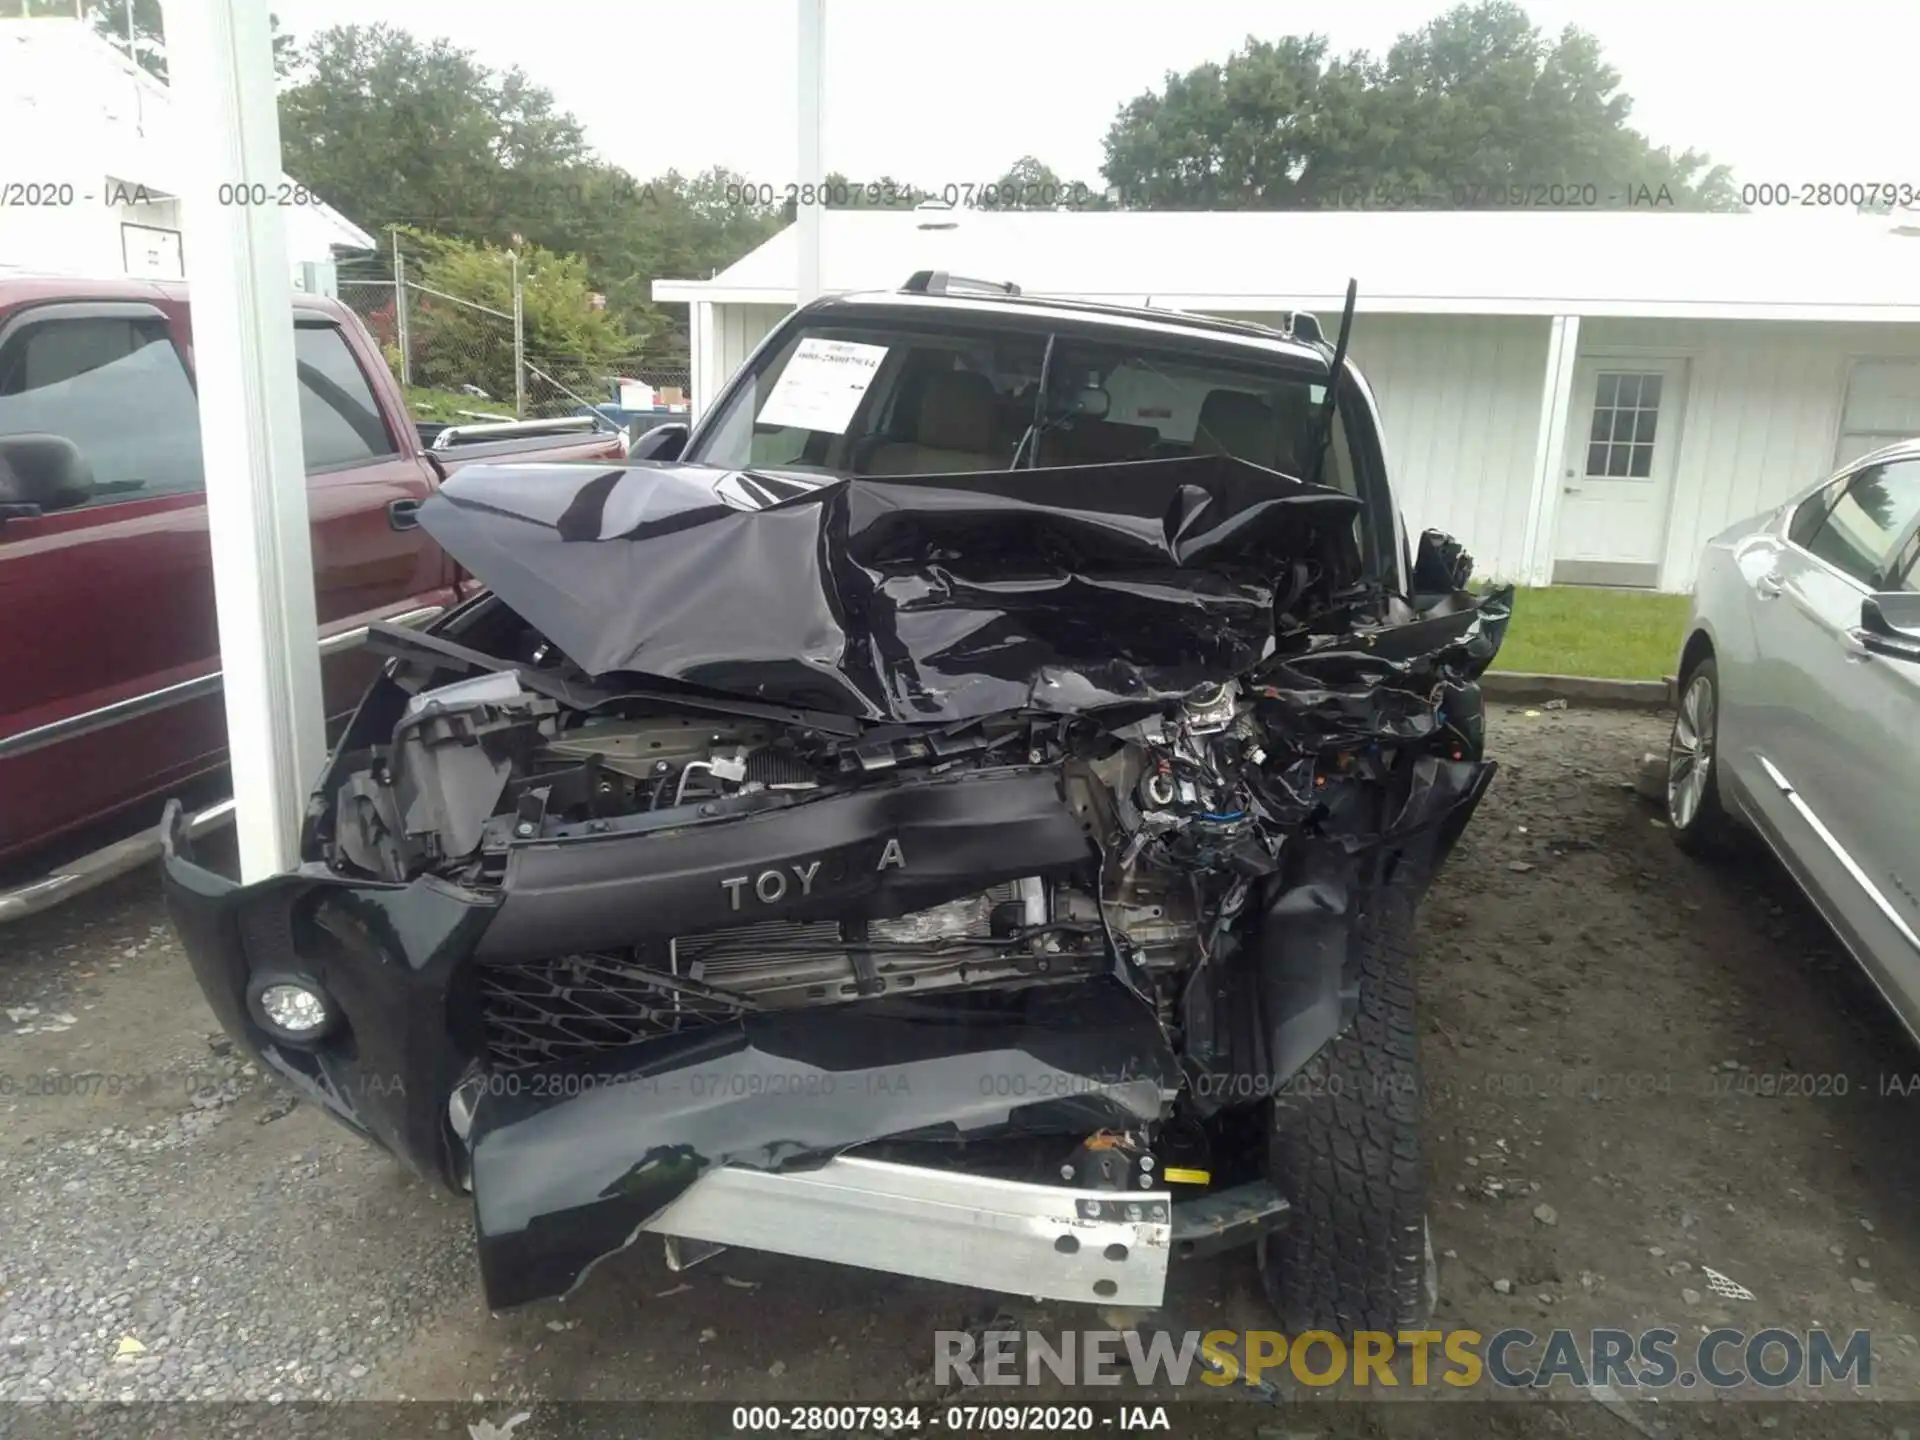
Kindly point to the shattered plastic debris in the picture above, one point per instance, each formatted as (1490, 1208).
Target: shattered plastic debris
(487, 1430)
(1725, 1288)
(1622, 1409)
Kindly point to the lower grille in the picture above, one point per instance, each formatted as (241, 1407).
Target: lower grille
(568, 1009)
(571, 1008)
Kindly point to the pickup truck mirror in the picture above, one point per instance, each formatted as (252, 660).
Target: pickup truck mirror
(1890, 625)
(1441, 565)
(46, 472)
(663, 442)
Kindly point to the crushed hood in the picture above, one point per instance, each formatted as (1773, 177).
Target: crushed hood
(922, 598)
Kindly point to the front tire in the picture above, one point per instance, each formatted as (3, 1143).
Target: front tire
(1354, 1253)
(1699, 824)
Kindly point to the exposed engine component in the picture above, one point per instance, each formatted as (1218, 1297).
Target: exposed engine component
(1143, 835)
(992, 937)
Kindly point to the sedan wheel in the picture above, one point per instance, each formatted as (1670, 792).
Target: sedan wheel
(1693, 796)
(1690, 753)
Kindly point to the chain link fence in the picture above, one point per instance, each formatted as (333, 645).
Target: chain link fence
(460, 360)
(561, 384)
(453, 355)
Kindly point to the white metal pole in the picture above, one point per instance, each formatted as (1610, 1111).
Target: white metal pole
(1550, 448)
(241, 290)
(402, 327)
(519, 343)
(811, 75)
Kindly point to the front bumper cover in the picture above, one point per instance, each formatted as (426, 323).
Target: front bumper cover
(559, 1184)
(736, 1133)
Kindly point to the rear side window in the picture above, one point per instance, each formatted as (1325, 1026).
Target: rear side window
(1868, 521)
(1812, 513)
(115, 388)
(340, 421)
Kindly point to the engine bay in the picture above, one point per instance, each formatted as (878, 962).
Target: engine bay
(1164, 818)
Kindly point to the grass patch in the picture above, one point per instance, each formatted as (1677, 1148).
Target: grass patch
(1605, 634)
(428, 404)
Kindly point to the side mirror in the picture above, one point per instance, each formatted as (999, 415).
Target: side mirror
(663, 442)
(1441, 565)
(1890, 625)
(46, 472)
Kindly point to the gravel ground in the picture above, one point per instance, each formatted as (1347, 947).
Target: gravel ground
(1600, 1017)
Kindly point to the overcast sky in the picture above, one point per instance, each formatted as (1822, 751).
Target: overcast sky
(951, 91)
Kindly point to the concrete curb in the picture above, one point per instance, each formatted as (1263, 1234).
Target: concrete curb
(1630, 694)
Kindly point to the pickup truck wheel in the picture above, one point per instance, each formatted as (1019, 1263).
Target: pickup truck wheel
(1345, 1150)
(1695, 817)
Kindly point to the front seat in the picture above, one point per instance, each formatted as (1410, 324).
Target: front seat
(958, 429)
(1232, 422)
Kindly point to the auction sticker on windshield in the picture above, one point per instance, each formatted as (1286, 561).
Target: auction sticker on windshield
(822, 385)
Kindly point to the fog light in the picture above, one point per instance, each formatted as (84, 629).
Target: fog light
(291, 1008)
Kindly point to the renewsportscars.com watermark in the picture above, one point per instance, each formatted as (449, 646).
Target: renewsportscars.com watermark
(1656, 1359)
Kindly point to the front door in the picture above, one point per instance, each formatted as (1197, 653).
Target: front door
(1839, 720)
(1622, 435)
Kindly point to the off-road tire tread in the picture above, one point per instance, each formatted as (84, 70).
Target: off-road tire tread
(1345, 1150)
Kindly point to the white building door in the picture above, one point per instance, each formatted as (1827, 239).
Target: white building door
(1622, 436)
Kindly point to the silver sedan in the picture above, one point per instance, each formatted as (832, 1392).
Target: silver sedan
(1799, 709)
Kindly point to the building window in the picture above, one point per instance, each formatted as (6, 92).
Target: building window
(1626, 412)
(1882, 406)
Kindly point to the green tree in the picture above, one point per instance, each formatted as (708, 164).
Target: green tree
(632, 232)
(396, 131)
(1031, 184)
(148, 37)
(1477, 100)
(570, 333)
(1028, 184)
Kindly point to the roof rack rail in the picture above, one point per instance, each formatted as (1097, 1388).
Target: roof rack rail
(939, 282)
(1303, 325)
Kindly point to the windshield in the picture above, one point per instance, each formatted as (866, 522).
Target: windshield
(916, 398)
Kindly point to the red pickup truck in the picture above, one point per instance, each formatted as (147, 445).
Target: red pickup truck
(109, 650)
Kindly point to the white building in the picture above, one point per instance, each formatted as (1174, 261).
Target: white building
(1580, 397)
(92, 165)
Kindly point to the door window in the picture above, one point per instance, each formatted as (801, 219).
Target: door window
(115, 388)
(340, 421)
(1869, 519)
(1626, 415)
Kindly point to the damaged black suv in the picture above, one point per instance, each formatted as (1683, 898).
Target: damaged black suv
(958, 812)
